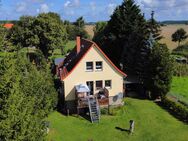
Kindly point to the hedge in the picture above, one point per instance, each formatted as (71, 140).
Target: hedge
(177, 109)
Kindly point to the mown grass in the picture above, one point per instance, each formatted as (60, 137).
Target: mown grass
(179, 88)
(151, 124)
(59, 54)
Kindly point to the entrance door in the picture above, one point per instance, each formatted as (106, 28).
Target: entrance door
(90, 85)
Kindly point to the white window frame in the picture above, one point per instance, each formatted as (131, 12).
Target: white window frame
(88, 69)
(100, 69)
(98, 88)
(109, 87)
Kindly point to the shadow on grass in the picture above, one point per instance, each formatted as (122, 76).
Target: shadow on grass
(83, 114)
(170, 111)
(123, 130)
(86, 117)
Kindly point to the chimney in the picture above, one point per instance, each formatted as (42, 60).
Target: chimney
(78, 44)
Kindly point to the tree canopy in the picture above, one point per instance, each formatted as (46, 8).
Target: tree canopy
(179, 36)
(76, 28)
(99, 30)
(154, 27)
(131, 42)
(27, 96)
(5, 44)
(159, 75)
(45, 32)
(124, 36)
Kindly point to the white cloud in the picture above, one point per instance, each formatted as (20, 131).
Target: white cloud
(75, 3)
(92, 5)
(44, 8)
(21, 7)
(37, 1)
(67, 4)
(69, 7)
(110, 8)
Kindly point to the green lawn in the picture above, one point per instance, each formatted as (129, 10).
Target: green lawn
(151, 124)
(179, 88)
(68, 47)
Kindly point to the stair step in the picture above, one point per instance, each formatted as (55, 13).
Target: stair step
(94, 110)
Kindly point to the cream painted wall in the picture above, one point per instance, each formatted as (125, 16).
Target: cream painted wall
(80, 75)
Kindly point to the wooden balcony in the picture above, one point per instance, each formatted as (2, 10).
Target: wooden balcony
(102, 96)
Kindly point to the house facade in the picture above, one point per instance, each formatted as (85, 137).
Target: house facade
(88, 65)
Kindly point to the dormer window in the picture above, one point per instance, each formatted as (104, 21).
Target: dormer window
(98, 66)
(89, 66)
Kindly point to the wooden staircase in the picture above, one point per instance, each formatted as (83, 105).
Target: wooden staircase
(94, 110)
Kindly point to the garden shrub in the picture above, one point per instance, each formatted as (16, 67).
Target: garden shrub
(180, 69)
(177, 109)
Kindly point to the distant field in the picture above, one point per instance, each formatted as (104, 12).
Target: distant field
(89, 29)
(167, 31)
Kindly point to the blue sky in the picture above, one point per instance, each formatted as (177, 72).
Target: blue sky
(91, 10)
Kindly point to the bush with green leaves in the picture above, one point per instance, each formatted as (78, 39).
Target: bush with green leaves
(180, 69)
(177, 109)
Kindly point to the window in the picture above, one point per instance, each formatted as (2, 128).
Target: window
(89, 66)
(99, 65)
(90, 85)
(99, 84)
(108, 83)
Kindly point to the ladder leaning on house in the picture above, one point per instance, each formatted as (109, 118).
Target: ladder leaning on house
(94, 109)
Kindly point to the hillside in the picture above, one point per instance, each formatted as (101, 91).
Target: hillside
(167, 31)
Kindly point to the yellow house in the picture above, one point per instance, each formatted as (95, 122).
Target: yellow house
(88, 66)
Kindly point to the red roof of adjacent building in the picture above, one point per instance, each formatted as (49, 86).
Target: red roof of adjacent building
(74, 58)
(8, 25)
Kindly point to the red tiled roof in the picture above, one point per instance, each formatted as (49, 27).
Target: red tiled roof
(73, 59)
(8, 25)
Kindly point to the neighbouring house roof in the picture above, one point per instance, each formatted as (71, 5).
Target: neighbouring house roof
(73, 59)
(8, 25)
(57, 61)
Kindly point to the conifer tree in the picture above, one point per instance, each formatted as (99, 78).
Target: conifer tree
(27, 96)
(154, 27)
(126, 34)
(159, 75)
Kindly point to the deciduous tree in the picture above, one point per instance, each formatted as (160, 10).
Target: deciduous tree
(179, 36)
(79, 28)
(99, 30)
(45, 32)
